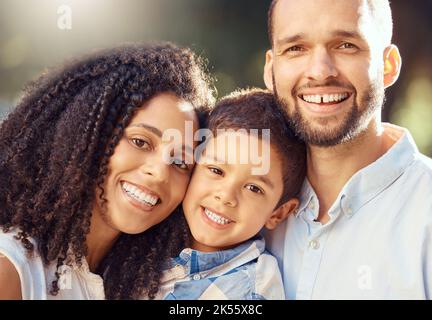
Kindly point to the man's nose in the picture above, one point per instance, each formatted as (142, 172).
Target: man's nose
(321, 66)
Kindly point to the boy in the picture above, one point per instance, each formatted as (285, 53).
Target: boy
(228, 203)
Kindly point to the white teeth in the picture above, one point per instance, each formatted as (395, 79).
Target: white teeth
(325, 98)
(139, 194)
(216, 218)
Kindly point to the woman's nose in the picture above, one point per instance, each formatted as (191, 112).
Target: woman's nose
(156, 167)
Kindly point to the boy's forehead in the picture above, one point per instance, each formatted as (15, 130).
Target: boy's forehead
(225, 145)
(243, 153)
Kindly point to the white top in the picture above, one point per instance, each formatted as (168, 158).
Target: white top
(75, 283)
(378, 242)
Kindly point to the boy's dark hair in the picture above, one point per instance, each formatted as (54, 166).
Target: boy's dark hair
(55, 149)
(257, 109)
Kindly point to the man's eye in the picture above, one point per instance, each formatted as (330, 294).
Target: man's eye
(295, 48)
(254, 189)
(140, 143)
(347, 45)
(215, 170)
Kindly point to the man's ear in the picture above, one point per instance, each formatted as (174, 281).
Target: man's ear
(268, 70)
(392, 65)
(281, 213)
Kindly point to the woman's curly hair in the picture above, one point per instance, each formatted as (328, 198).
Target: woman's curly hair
(55, 149)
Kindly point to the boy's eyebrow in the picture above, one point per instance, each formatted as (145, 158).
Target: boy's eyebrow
(214, 158)
(266, 181)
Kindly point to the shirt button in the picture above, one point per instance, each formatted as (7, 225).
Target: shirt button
(314, 244)
(349, 211)
(196, 277)
(311, 206)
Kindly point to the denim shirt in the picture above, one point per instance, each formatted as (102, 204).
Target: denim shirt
(378, 241)
(245, 272)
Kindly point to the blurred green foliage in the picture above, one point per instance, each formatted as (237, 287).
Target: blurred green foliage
(231, 34)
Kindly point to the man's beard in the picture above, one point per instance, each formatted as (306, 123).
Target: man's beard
(354, 122)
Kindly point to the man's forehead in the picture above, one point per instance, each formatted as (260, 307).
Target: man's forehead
(294, 11)
(305, 17)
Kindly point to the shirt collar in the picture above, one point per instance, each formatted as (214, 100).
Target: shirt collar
(370, 181)
(196, 261)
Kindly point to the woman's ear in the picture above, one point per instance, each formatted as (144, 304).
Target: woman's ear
(268, 70)
(392, 65)
(281, 213)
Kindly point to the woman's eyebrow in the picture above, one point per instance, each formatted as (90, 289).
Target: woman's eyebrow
(152, 129)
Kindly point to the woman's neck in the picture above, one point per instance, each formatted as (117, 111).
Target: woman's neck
(100, 240)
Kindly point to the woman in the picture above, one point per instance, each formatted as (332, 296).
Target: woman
(83, 181)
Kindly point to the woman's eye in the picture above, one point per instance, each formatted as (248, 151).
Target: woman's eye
(140, 143)
(216, 171)
(254, 189)
(180, 164)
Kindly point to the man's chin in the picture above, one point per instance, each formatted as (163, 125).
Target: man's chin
(323, 133)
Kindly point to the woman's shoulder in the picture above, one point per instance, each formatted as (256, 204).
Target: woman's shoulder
(10, 284)
(10, 243)
(16, 261)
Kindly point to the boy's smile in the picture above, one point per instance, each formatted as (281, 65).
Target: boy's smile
(215, 219)
(226, 204)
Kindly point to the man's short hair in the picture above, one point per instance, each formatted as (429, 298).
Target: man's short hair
(379, 9)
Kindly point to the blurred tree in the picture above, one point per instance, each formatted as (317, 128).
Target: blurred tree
(231, 34)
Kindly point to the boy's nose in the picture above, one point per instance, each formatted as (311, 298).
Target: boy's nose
(226, 199)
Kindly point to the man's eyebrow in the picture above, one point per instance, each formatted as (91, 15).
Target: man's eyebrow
(336, 33)
(290, 39)
(152, 129)
(346, 34)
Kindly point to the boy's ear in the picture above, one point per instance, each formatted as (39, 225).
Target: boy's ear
(281, 213)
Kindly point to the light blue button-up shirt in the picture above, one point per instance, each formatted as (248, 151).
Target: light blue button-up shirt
(245, 272)
(378, 242)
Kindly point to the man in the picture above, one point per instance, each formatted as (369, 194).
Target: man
(364, 226)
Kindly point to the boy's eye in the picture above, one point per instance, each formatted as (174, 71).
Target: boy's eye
(254, 188)
(140, 143)
(215, 170)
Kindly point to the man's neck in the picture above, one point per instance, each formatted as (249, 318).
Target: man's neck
(329, 169)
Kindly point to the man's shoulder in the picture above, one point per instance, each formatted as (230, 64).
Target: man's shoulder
(424, 163)
(420, 170)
